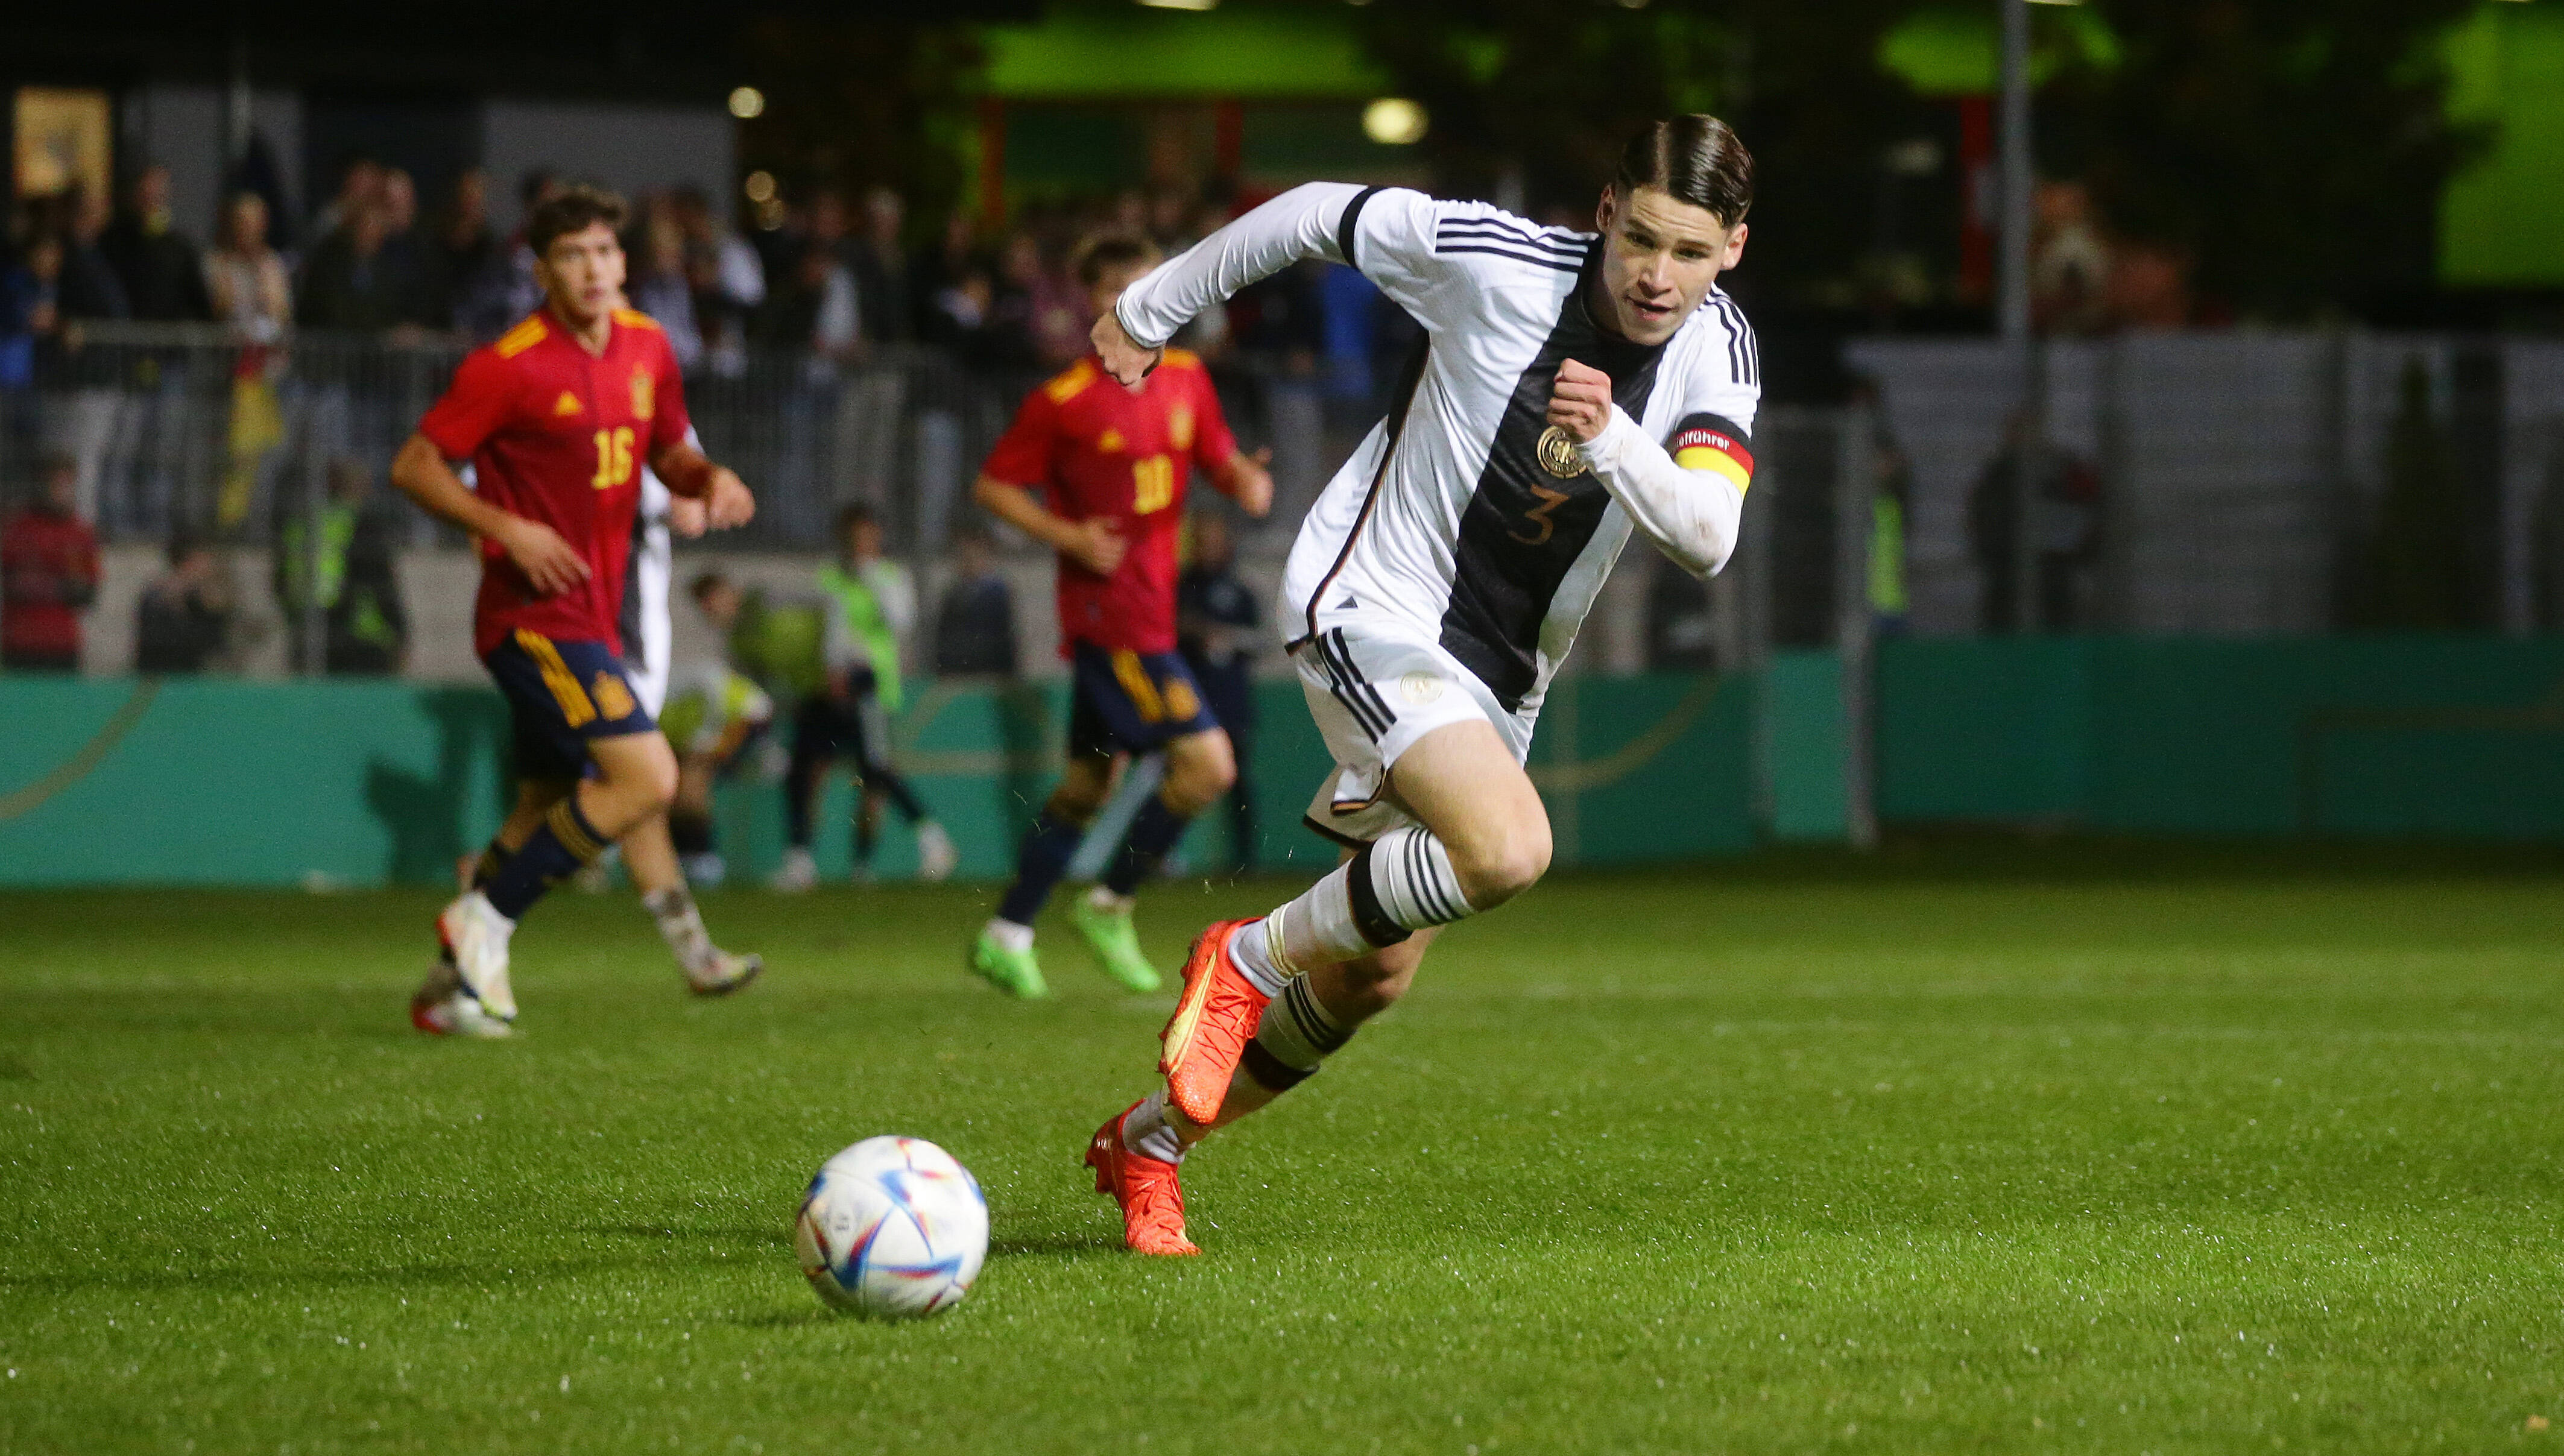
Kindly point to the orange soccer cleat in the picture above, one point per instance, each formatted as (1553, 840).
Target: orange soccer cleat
(1214, 1020)
(1152, 1203)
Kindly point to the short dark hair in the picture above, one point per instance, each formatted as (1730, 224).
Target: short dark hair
(182, 544)
(1695, 159)
(854, 516)
(576, 209)
(1110, 252)
(704, 583)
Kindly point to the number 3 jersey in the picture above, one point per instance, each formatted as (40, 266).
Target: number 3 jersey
(559, 435)
(1099, 451)
(1448, 519)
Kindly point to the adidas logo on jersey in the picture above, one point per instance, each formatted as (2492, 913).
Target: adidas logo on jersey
(568, 404)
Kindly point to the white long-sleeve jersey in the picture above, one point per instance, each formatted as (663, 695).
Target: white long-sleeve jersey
(1446, 516)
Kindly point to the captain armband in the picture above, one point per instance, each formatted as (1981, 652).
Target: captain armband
(1708, 443)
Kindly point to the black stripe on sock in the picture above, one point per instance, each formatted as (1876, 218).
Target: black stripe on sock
(1368, 916)
(1428, 894)
(1316, 1027)
(1272, 1073)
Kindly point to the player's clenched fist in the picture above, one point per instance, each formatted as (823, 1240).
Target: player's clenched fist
(1124, 360)
(1580, 401)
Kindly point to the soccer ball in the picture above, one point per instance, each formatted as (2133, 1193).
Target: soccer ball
(892, 1228)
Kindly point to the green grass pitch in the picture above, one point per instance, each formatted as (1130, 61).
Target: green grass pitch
(2029, 1149)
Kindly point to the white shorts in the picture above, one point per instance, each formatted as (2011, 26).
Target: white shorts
(1375, 686)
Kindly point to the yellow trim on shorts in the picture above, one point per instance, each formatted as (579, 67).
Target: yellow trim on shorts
(1135, 681)
(577, 710)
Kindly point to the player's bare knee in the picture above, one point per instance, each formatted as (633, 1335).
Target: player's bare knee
(1200, 770)
(1499, 867)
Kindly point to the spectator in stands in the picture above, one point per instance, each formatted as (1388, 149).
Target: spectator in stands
(355, 280)
(360, 186)
(881, 269)
(91, 288)
(30, 310)
(660, 285)
(974, 625)
(467, 285)
(404, 252)
(162, 276)
(523, 295)
(2034, 513)
(728, 277)
(183, 620)
(1059, 315)
(815, 309)
(937, 268)
(366, 630)
(48, 575)
(1217, 624)
(244, 276)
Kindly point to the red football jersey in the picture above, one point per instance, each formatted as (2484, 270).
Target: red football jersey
(559, 435)
(1098, 450)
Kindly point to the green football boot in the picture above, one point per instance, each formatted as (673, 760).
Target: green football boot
(1115, 944)
(1014, 972)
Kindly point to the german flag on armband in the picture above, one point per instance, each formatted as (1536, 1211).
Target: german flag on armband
(1716, 447)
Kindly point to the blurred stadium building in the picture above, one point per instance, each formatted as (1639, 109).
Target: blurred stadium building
(2272, 542)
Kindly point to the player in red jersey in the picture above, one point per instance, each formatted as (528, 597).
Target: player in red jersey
(1112, 464)
(557, 418)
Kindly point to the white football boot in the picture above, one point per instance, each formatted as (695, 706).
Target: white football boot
(799, 873)
(722, 972)
(439, 1007)
(476, 936)
(936, 856)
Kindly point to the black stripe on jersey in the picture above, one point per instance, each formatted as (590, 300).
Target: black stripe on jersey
(627, 615)
(1410, 377)
(1345, 231)
(1488, 231)
(1523, 527)
(1744, 355)
(1563, 265)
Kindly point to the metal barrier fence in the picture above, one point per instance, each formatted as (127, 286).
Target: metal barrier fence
(2240, 475)
(179, 427)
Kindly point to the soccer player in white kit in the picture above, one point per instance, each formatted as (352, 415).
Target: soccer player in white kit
(1574, 387)
(649, 850)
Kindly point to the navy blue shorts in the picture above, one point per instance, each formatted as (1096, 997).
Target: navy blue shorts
(1132, 701)
(562, 695)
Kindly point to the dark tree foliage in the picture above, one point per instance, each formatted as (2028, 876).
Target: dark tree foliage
(855, 102)
(2294, 150)
(1558, 88)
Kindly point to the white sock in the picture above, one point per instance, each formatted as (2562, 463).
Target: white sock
(1011, 936)
(1253, 949)
(1147, 1132)
(681, 926)
(1298, 1029)
(1318, 928)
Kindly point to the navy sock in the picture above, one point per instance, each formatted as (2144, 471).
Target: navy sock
(690, 833)
(1038, 867)
(1155, 831)
(557, 851)
(493, 858)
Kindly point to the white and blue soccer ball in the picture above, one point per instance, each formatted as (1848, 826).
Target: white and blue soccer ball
(892, 1228)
